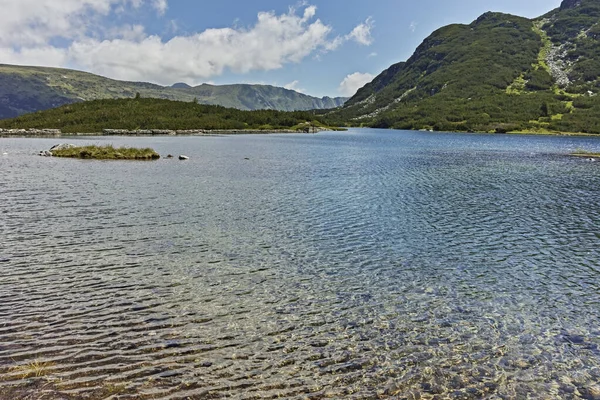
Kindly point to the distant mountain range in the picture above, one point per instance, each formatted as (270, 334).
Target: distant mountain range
(28, 89)
(500, 73)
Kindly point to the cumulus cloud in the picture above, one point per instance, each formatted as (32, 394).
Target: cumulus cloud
(160, 6)
(35, 22)
(27, 27)
(362, 33)
(271, 43)
(353, 82)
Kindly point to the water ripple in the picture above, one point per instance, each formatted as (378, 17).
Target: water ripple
(362, 265)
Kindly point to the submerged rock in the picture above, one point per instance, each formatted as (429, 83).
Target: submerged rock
(591, 393)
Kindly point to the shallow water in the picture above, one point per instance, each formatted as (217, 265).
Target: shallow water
(361, 265)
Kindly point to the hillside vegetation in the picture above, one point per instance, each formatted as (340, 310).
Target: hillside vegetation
(501, 73)
(29, 89)
(140, 113)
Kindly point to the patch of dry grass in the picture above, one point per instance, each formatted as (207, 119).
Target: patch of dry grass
(107, 153)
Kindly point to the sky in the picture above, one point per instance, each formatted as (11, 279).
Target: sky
(317, 47)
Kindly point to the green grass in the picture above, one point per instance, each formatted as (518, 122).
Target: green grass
(518, 86)
(107, 153)
(546, 46)
(34, 369)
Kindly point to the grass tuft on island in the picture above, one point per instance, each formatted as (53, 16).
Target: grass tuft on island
(107, 153)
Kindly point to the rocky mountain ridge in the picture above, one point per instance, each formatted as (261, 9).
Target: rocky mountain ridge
(28, 89)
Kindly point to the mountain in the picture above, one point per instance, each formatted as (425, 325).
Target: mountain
(29, 89)
(500, 73)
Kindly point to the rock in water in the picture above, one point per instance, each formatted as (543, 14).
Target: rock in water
(62, 146)
(182, 157)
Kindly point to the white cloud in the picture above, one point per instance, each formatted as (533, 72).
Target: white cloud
(27, 27)
(373, 54)
(43, 56)
(271, 43)
(35, 22)
(413, 26)
(353, 82)
(362, 33)
(295, 85)
(160, 6)
(129, 32)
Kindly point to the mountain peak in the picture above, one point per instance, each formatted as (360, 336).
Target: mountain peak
(181, 85)
(566, 4)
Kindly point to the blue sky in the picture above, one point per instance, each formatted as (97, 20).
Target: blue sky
(320, 47)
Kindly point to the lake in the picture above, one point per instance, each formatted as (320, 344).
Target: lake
(362, 265)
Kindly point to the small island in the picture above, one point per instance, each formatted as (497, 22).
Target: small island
(104, 152)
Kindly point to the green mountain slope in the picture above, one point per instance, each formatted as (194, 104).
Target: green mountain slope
(30, 89)
(146, 113)
(500, 73)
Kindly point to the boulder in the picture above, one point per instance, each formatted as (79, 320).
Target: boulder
(62, 146)
(182, 157)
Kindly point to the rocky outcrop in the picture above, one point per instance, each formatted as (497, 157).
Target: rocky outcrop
(570, 4)
(123, 132)
(62, 146)
(556, 60)
(30, 132)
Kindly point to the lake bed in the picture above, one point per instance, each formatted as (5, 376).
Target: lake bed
(364, 264)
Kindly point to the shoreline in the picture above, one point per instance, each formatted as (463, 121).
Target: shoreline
(547, 133)
(57, 133)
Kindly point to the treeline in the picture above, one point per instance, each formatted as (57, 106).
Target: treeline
(142, 113)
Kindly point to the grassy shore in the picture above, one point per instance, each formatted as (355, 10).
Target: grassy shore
(107, 153)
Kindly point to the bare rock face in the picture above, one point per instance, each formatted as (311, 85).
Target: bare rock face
(570, 4)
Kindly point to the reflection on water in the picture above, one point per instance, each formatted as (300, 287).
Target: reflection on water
(360, 265)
